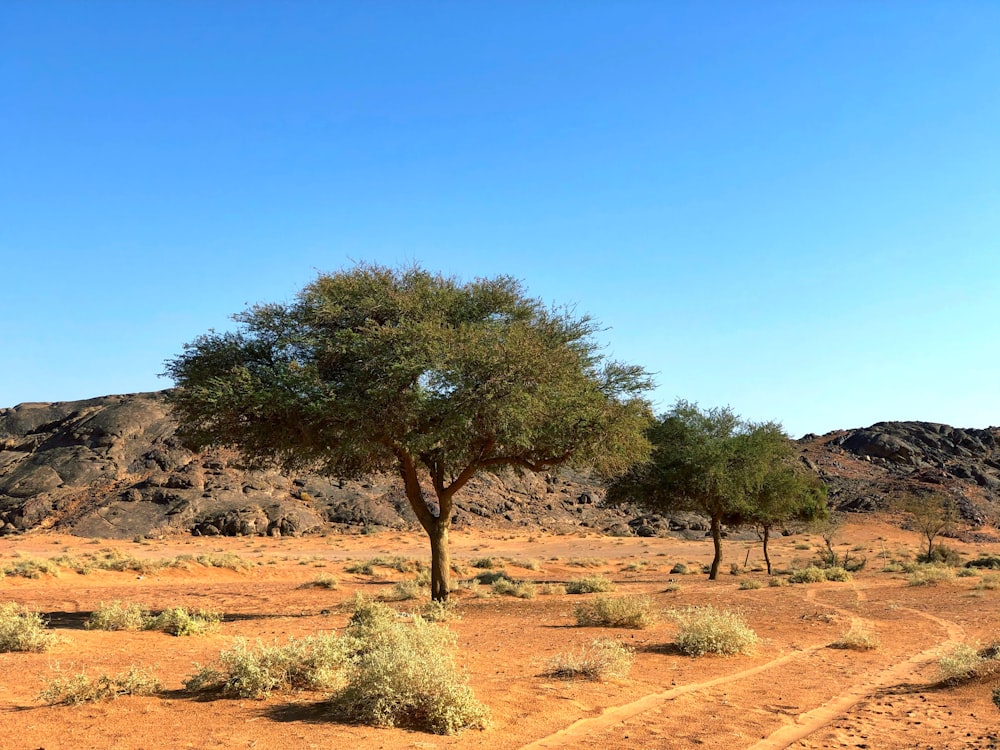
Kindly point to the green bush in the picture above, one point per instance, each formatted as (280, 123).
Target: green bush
(406, 590)
(179, 621)
(311, 663)
(401, 674)
(603, 659)
(679, 569)
(749, 585)
(23, 630)
(930, 575)
(31, 567)
(520, 589)
(118, 616)
(812, 574)
(961, 663)
(943, 555)
(552, 589)
(435, 611)
(80, 688)
(706, 630)
(859, 637)
(485, 563)
(589, 585)
(837, 573)
(616, 612)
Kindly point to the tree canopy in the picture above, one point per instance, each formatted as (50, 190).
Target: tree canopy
(378, 369)
(710, 461)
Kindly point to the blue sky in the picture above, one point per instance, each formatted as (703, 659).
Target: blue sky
(792, 208)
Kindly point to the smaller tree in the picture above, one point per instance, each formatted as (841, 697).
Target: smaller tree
(787, 493)
(930, 514)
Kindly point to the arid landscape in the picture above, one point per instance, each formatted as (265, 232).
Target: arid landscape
(793, 690)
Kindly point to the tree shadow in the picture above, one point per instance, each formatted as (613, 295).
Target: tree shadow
(664, 649)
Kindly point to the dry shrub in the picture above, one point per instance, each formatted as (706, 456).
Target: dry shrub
(508, 587)
(552, 589)
(589, 585)
(859, 637)
(80, 688)
(967, 662)
(616, 612)
(407, 590)
(118, 616)
(707, 630)
(604, 658)
(23, 630)
(322, 582)
(179, 621)
(750, 585)
(929, 575)
(404, 674)
(310, 663)
(31, 567)
(435, 611)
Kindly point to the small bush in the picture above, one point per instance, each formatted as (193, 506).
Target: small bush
(943, 555)
(679, 569)
(962, 663)
(226, 560)
(520, 589)
(749, 585)
(22, 630)
(32, 567)
(403, 674)
(776, 582)
(485, 563)
(79, 688)
(118, 616)
(990, 562)
(812, 574)
(585, 562)
(989, 582)
(706, 630)
(310, 663)
(440, 612)
(531, 564)
(929, 575)
(322, 582)
(552, 589)
(490, 577)
(406, 590)
(603, 659)
(735, 569)
(965, 573)
(589, 585)
(179, 621)
(837, 573)
(615, 612)
(859, 637)
(360, 568)
(671, 588)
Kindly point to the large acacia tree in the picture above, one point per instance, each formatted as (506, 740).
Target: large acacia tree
(710, 461)
(378, 369)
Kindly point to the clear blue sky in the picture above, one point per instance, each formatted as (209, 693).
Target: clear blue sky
(792, 208)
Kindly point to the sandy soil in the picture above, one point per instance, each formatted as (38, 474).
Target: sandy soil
(794, 691)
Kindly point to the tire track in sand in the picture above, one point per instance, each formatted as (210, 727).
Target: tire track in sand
(811, 721)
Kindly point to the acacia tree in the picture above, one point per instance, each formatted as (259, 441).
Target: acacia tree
(786, 493)
(376, 369)
(930, 514)
(710, 461)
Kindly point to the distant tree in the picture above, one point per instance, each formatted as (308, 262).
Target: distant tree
(375, 369)
(786, 493)
(710, 461)
(930, 514)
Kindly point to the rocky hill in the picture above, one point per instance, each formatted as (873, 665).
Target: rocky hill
(113, 467)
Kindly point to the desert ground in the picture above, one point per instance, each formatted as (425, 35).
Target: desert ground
(792, 691)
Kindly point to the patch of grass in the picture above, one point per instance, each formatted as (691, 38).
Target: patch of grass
(679, 569)
(31, 567)
(311, 663)
(603, 659)
(962, 663)
(552, 589)
(531, 564)
(707, 630)
(802, 546)
(837, 573)
(812, 574)
(777, 582)
(440, 612)
(23, 630)
(585, 562)
(180, 621)
(406, 590)
(322, 582)
(360, 568)
(589, 585)
(671, 588)
(401, 674)
(616, 612)
(225, 560)
(520, 589)
(749, 585)
(859, 637)
(486, 563)
(929, 575)
(990, 582)
(79, 688)
(118, 616)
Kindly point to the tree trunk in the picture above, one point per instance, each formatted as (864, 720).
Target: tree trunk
(764, 536)
(717, 541)
(440, 560)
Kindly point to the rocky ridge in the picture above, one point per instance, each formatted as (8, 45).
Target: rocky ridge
(113, 467)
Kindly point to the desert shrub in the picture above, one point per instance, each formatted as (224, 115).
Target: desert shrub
(671, 588)
(552, 589)
(859, 637)
(79, 688)
(488, 578)
(406, 590)
(706, 630)
(311, 663)
(616, 612)
(120, 562)
(749, 585)
(991, 562)
(812, 574)
(589, 585)
(776, 582)
(929, 575)
(179, 621)
(435, 611)
(531, 564)
(965, 573)
(23, 630)
(679, 569)
(360, 568)
(585, 562)
(989, 582)
(322, 582)
(961, 663)
(485, 563)
(31, 567)
(118, 616)
(837, 573)
(401, 674)
(604, 658)
(943, 555)
(735, 569)
(226, 560)
(520, 589)
(803, 546)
